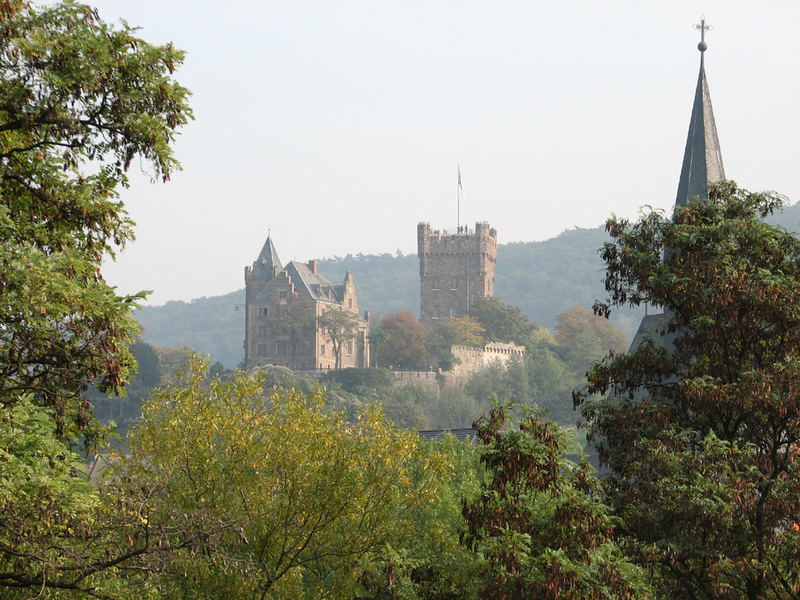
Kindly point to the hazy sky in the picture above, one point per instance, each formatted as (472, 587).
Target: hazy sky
(339, 125)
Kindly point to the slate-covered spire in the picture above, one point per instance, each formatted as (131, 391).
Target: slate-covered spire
(267, 264)
(702, 164)
(702, 159)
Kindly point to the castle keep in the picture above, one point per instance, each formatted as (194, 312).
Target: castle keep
(455, 269)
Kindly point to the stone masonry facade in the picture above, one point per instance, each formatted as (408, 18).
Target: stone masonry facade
(455, 268)
(282, 310)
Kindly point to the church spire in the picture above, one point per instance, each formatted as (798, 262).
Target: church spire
(267, 264)
(702, 159)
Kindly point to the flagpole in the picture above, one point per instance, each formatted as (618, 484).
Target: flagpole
(458, 198)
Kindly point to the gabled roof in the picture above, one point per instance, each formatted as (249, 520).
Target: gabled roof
(267, 263)
(702, 159)
(313, 285)
(306, 283)
(467, 434)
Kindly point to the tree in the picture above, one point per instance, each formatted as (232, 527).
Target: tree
(79, 101)
(172, 361)
(586, 337)
(340, 327)
(405, 346)
(270, 494)
(377, 338)
(702, 431)
(124, 411)
(502, 322)
(537, 521)
(297, 325)
(463, 330)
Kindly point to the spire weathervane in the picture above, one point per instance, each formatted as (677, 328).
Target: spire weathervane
(703, 28)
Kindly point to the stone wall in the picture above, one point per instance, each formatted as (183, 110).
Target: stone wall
(474, 360)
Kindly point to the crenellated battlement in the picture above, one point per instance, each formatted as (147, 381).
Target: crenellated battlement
(456, 267)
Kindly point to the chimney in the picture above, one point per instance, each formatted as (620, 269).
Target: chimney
(312, 264)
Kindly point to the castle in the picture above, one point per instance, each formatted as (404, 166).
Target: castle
(455, 269)
(296, 318)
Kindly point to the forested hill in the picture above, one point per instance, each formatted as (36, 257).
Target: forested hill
(542, 278)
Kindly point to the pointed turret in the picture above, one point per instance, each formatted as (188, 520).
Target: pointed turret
(702, 159)
(267, 264)
(702, 164)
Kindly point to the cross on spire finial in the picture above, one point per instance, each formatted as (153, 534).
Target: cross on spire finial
(703, 28)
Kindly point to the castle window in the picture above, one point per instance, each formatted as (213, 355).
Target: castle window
(455, 284)
(262, 349)
(280, 348)
(263, 311)
(349, 303)
(350, 347)
(436, 284)
(435, 312)
(322, 352)
(283, 294)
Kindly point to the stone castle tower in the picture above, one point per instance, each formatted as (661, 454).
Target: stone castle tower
(455, 269)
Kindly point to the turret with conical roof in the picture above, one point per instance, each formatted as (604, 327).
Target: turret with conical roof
(267, 264)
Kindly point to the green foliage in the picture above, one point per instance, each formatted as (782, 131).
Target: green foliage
(297, 326)
(537, 523)
(339, 326)
(359, 380)
(125, 410)
(45, 499)
(502, 322)
(703, 432)
(172, 361)
(586, 337)
(433, 564)
(404, 346)
(272, 497)
(463, 331)
(79, 100)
